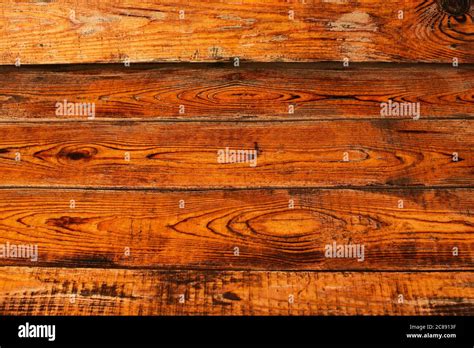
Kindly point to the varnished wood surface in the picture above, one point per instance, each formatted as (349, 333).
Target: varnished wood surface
(250, 92)
(272, 229)
(132, 212)
(48, 32)
(185, 155)
(60, 291)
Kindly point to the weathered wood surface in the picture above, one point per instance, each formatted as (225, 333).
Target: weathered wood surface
(132, 212)
(68, 31)
(60, 291)
(251, 92)
(270, 231)
(185, 155)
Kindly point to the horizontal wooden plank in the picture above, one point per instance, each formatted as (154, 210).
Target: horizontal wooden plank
(204, 155)
(69, 31)
(273, 230)
(57, 291)
(251, 92)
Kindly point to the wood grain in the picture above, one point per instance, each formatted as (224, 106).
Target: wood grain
(185, 155)
(59, 291)
(271, 234)
(251, 92)
(47, 32)
(133, 213)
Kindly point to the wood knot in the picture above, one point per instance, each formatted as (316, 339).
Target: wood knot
(455, 7)
(65, 221)
(84, 154)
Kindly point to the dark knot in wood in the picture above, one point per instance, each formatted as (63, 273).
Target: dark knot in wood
(455, 7)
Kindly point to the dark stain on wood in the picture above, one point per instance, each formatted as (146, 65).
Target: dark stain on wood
(455, 7)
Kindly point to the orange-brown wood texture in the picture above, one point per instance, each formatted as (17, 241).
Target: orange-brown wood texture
(70, 31)
(269, 232)
(83, 291)
(134, 212)
(254, 91)
(306, 154)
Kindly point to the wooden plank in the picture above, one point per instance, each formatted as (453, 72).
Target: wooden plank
(251, 92)
(198, 155)
(69, 31)
(149, 229)
(59, 291)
